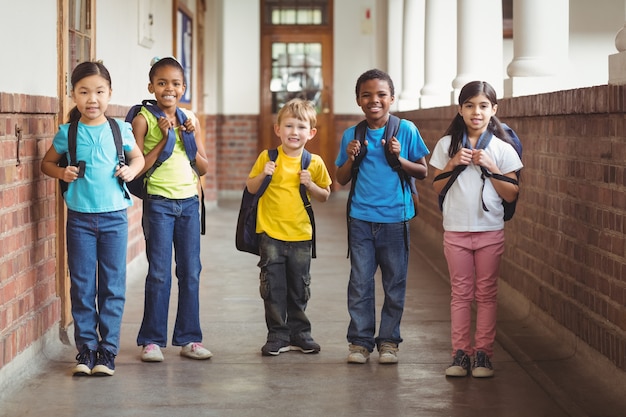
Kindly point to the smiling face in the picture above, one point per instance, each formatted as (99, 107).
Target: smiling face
(476, 113)
(168, 86)
(92, 95)
(294, 133)
(375, 99)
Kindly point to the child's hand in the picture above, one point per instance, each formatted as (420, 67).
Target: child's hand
(125, 172)
(462, 157)
(305, 178)
(269, 168)
(393, 146)
(165, 126)
(189, 126)
(482, 158)
(354, 148)
(70, 173)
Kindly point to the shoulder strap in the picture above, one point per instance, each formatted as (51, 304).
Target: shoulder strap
(273, 154)
(117, 137)
(72, 132)
(305, 161)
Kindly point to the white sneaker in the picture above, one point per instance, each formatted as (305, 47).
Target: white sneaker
(195, 351)
(358, 354)
(151, 353)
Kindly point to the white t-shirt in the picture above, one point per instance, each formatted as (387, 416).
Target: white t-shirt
(462, 206)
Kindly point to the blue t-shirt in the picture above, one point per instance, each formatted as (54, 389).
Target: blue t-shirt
(378, 196)
(99, 191)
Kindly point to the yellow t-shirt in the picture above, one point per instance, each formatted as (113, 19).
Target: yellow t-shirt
(174, 179)
(281, 213)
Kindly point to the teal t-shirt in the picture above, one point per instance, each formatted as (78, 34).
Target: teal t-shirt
(99, 191)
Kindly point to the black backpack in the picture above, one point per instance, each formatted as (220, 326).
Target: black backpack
(246, 237)
(71, 145)
(407, 182)
(509, 208)
(138, 186)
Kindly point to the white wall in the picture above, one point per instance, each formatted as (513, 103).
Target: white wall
(355, 51)
(29, 47)
(593, 27)
(117, 45)
(241, 57)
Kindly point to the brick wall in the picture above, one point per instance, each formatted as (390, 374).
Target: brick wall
(29, 306)
(565, 248)
(236, 145)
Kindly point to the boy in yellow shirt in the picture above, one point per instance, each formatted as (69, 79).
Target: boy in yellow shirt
(286, 233)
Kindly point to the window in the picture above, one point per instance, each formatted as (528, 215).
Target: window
(80, 32)
(296, 12)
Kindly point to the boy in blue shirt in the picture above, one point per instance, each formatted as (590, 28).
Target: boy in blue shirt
(378, 228)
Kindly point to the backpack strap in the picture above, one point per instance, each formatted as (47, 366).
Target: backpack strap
(360, 133)
(121, 157)
(71, 142)
(117, 138)
(305, 161)
(483, 142)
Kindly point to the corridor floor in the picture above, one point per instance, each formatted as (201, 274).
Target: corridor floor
(239, 382)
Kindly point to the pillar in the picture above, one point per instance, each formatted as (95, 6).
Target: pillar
(439, 53)
(540, 46)
(617, 62)
(413, 54)
(479, 44)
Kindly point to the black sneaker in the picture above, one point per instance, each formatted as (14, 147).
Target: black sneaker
(460, 364)
(482, 368)
(275, 347)
(105, 363)
(86, 359)
(304, 344)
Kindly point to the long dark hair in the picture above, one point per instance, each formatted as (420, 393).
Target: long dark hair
(84, 70)
(457, 128)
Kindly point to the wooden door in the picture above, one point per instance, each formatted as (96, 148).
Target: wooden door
(296, 61)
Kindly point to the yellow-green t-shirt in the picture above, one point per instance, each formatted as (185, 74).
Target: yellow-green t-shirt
(281, 213)
(174, 179)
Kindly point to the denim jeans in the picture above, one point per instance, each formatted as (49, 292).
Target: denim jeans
(166, 222)
(285, 281)
(474, 265)
(96, 256)
(374, 245)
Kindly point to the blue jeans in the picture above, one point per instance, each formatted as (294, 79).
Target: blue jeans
(285, 281)
(165, 222)
(374, 245)
(96, 256)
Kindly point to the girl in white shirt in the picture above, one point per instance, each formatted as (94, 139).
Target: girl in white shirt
(475, 146)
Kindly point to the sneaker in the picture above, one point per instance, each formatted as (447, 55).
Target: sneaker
(358, 354)
(105, 363)
(151, 353)
(388, 353)
(460, 364)
(195, 350)
(304, 344)
(482, 368)
(275, 347)
(86, 359)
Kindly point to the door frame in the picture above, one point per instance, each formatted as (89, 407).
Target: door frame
(65, 104)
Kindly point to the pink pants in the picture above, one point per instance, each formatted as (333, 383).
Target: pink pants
(474, 264)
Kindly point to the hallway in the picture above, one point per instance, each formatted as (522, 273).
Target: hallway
(239, 382)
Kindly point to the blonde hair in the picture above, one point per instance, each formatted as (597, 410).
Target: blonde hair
(300, 109)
